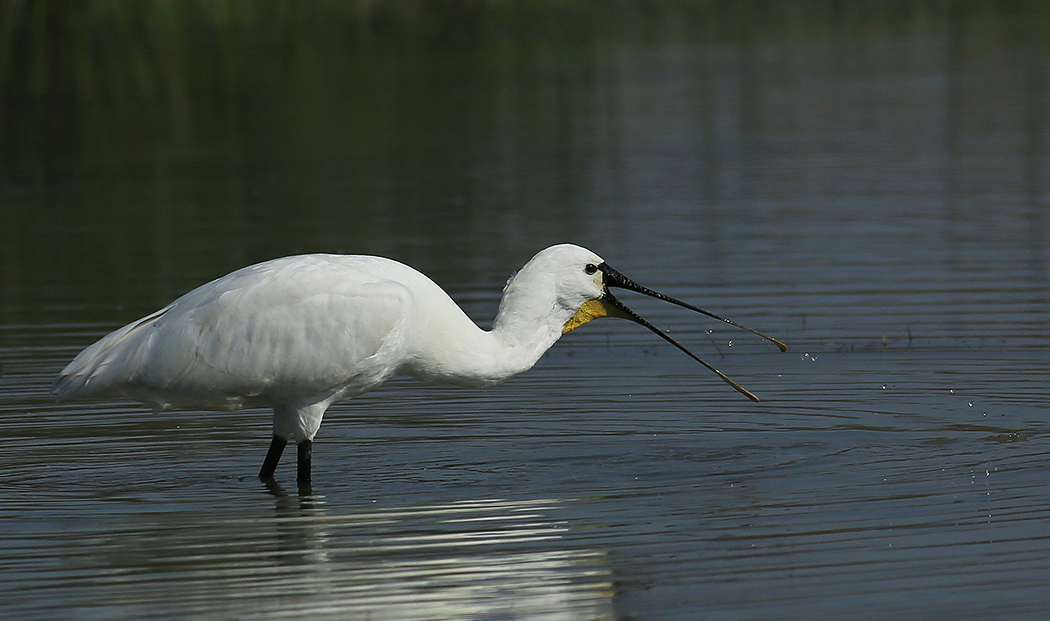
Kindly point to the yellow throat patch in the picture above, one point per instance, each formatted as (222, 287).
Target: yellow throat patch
(591, 309)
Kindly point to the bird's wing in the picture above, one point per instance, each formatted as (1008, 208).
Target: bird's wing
(281, 329)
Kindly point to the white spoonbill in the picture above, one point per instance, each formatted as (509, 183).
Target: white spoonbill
(299, 333)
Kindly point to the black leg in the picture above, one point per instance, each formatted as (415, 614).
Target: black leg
(305, 458)
(272, 457)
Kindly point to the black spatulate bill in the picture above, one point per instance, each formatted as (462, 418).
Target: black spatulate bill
(614, 278)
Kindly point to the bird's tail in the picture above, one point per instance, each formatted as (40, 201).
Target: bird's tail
(104, 365)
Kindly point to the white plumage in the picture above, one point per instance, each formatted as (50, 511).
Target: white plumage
(300, 333)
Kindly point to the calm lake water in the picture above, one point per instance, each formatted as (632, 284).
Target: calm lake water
(870, 184)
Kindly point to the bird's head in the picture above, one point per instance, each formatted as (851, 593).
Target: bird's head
(582, 280)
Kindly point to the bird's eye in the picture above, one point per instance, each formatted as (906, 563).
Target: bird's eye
(590, 268)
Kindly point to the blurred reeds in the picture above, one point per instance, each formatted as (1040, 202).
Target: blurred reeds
(151, 48)
(93, 69)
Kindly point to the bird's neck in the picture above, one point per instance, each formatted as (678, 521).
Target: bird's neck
(519, 336)
(526, 326)
(522, 338)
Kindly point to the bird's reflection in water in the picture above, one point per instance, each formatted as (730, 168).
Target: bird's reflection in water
(457, 560)
(304, 495)
(300, 538)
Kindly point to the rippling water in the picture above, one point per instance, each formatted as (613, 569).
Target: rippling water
(871, 187)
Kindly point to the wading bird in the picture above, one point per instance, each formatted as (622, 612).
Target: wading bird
(299, 333)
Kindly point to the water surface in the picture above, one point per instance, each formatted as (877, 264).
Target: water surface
(871, 185)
